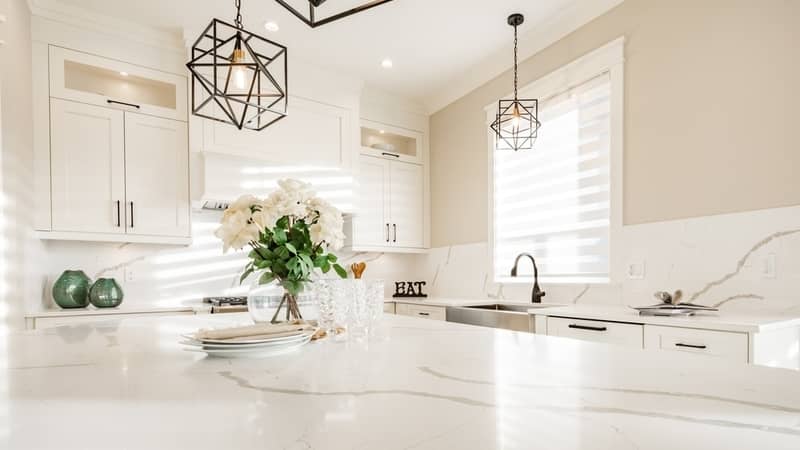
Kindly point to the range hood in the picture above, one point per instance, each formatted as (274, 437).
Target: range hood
(219, 179)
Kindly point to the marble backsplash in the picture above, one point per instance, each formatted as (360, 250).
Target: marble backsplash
(166, 275)
(742, 261)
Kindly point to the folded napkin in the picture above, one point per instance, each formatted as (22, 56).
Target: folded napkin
(259, 330)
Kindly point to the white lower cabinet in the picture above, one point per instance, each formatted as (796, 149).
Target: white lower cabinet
(118, 176)
(421, 311)
(626, 334)
(720, 344)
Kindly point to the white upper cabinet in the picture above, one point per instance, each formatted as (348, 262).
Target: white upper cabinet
(157, 182)
(390, 213)
(372, 223)
(88, 172)
(406, 202)
(312, 134)
(92, 79)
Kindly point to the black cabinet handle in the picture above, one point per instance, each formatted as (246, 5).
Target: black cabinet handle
(390, 154)
(387, 232)
(123, 103)
(394, 225)
(424, 314)
(119, 216)
(584, 327)
(701, 347)
(131, 214)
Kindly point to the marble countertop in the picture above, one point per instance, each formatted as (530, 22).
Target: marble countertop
(748, 322)
(419, 384)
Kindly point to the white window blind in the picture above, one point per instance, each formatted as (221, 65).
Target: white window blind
(554, 201)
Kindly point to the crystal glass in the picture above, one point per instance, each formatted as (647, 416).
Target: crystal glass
(359, 314)
(375, 299)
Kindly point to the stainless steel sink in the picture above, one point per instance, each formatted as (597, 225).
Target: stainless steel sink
(508, 316)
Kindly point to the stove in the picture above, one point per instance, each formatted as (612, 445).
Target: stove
(221, 305)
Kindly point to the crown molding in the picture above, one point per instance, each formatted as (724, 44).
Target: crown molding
(59, 11)
(544, 34)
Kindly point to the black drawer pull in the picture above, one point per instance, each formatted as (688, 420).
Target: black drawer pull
(123, 103)
(390, 154)
(423, 314)
(584, 327)
(119, 217)
(701, 347)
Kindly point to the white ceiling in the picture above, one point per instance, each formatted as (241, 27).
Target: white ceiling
(440, 48)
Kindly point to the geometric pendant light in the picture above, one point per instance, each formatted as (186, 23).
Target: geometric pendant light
(516, 124)
(319, 15)
(238, 77)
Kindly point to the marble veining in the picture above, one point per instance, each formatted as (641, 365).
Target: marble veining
(742, 261)
(421, 384)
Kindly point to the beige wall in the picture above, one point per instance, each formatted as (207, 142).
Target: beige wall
(708, 84)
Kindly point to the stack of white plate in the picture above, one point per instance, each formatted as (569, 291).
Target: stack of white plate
(248, 346)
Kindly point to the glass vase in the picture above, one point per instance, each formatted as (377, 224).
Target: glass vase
(274, 304)
(71, 290)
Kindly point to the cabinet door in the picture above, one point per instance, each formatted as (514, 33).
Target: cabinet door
(406, 205)
(87, 158)
(157, 176)
(371, 222)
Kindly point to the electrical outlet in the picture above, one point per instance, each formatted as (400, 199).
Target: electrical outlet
(130, 275)
(636, 270)
(768, 267)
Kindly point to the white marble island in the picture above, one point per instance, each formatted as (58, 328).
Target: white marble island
(424, 384)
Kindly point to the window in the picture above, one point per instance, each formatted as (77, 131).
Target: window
(555, 201)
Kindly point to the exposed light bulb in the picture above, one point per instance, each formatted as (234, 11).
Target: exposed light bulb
(387, 63)
(239, 78)
(238, 72)
(271, 26)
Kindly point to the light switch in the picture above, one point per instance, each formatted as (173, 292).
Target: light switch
(768, 267)
(636, 270)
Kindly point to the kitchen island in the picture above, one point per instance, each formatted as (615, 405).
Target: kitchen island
(419, 384)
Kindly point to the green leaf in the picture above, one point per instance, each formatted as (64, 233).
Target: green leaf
(279, 237)
(266, 277)
(340, 270)
(246, 274)
(326, 267)
(307, 260)
(319, 261)
(262, 264)
(293, 286)
(282, 253)
(289, 246)
(332, 258)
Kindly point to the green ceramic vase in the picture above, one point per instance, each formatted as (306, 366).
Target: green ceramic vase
(71, 289)
(106, 293)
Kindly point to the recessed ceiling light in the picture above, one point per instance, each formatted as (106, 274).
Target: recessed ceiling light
(382, 131)
(387, 63)
(271, 26)
(124, 74)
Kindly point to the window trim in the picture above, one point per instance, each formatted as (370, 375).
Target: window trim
(609, 58)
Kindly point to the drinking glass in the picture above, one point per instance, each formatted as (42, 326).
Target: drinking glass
(359, 311)
(375, 299)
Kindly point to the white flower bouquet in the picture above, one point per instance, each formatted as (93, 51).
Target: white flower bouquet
(291, 232)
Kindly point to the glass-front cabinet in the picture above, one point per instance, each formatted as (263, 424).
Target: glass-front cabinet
(385, 141)
(92, 79)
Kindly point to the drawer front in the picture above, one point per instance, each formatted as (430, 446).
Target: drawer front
(594, 330)
(422, 311)
(388, 308)
(720, 344)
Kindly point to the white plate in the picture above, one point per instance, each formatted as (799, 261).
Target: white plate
(236, 345)
(260, 352)
(252, 340)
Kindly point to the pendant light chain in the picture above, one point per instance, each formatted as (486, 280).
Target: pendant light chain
(238, 4)
(515, 62)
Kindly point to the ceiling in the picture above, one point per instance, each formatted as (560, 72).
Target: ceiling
(432, 43)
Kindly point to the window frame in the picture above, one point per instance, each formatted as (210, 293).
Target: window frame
(607, 59)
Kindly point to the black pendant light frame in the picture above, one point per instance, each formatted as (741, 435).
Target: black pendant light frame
(520, 114)
(265, 98)
(313, 21)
